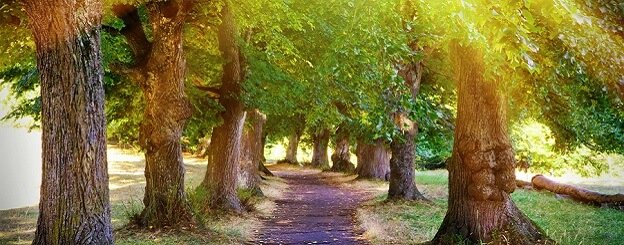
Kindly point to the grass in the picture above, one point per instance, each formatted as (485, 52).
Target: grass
(564, 220)
(127, 183)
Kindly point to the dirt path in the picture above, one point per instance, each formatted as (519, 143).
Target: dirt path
(312, 211)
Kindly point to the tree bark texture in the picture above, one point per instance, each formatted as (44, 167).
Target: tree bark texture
(320, 158)
(341, 158)
(74, 205)
(225, 147)
(577, 193)
(481, 172)
(159, 69)
(251, 156)
(373, 160)
(402, 169)
(166, 111)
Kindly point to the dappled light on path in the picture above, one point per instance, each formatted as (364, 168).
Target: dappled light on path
(313, 211)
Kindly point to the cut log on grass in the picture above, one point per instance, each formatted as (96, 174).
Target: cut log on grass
(523, 184)
(577, 193)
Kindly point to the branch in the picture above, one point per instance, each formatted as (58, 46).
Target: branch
(133, 31)
(212, 91)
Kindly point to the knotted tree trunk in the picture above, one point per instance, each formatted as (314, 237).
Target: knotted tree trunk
(341, 159)
(248, 177)
(74, 204)
(320, 158)
(225, 147)
(373, 160)
(159, 69)
(403, 146)
(481, 172)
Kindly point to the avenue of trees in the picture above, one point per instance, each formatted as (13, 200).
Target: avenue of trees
(401, 84)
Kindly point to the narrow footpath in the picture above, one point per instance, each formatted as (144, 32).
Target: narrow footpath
(312, 211)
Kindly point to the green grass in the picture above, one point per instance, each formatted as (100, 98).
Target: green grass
(564, 220)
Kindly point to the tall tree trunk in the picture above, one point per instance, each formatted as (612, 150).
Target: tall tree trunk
(341, 158)
(225, 147)
(402, 169)
(291, 149)
(74, 204)
(166, 111)
(320, 158)
(373, 160)
(481, 172)
(248, 177)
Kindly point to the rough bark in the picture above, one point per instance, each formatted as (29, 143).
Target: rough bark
(74, 203)
(159, 69)
(577, 193)
(373, 161)
(320, 158)
(402, 169)
(291, 149)
(481, 172)
(224, 153)
(248, 176)
(341, 158)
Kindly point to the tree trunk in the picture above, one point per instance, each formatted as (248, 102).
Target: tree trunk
(291, 150)
(577, 193)
(481, 172)
(262, 161)
(224, 153)
(341, 158)
(320, 158)
(166, 111)
(402, 169)
(74, 203)
(403, 148)
(248, 177)
(373, 161)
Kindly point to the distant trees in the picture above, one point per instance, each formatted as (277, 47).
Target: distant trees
(74, 206)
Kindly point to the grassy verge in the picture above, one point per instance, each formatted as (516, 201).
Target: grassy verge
(566, 221)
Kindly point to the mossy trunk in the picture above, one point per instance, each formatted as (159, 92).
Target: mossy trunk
(320, 158)
(341, 158)
(481, 172)
(373, 160)
(74, 203)
(224, 153)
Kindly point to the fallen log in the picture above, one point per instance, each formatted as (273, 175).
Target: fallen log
(523, 184)
(578, 193)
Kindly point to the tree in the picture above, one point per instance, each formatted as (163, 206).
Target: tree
(251, 152)
(341, 158)
(320, 141)
(159, 69)
(482, 169)
(225, 146)
(74, 205)
(373, 160)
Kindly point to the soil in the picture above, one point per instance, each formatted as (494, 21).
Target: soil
(313, 211)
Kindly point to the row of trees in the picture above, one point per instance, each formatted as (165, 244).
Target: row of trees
(379, 73)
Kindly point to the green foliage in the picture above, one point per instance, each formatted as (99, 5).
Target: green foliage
(535, 143)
